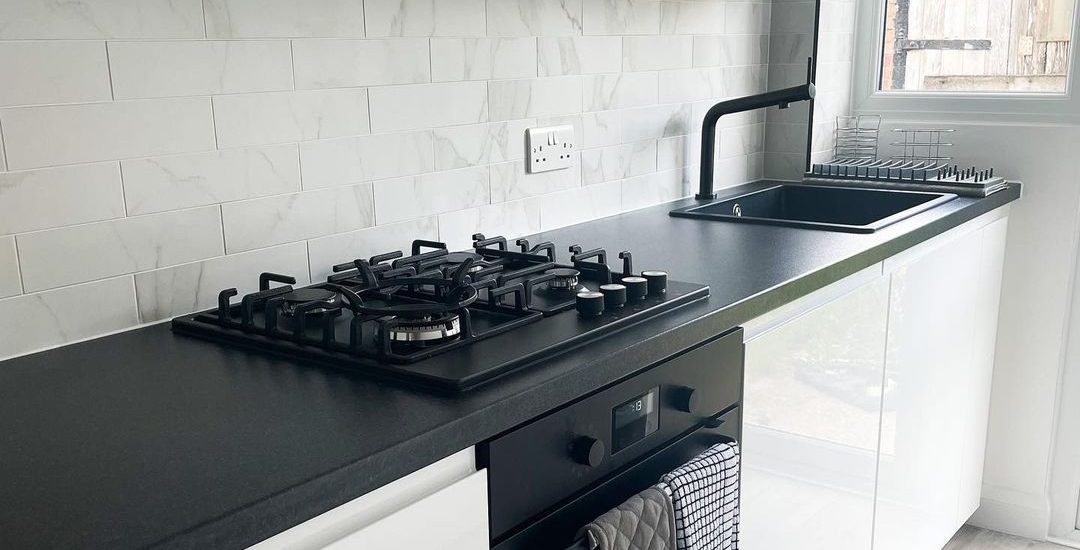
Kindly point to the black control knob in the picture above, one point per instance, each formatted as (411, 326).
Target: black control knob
(590, 304)
(588, 451)
(614, 295)
(657, 282)
(637, 288)
(686, 400)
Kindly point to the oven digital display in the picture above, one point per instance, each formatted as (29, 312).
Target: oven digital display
(634, 419)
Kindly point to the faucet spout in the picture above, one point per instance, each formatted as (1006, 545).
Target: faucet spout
(780, 98)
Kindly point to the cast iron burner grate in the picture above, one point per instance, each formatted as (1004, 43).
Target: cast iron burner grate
(433, 318)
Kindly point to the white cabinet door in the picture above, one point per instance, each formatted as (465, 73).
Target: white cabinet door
(939, 359)
(811, 414)
(443, 505)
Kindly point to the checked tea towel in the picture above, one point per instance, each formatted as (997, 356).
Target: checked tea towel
(705, 494)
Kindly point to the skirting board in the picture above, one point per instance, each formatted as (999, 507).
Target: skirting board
(1023, 520)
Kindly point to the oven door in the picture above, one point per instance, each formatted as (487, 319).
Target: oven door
(553, 475)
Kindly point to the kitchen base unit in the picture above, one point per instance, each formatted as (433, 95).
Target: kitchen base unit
(866, 405)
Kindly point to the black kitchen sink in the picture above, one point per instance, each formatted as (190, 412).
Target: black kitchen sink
(818, 207)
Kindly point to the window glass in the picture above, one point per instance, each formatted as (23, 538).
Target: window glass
(977, 45)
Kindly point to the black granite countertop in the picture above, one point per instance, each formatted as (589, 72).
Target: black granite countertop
(150, 439)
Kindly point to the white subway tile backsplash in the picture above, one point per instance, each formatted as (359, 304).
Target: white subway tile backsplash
(741, 140)
(259, 223)
(417, 196)
(655, 122)
(76, 254)
(332, 250)
(53, 72)
(326, 63)
(65, 134)
(482, 58)
(618, 162)
(284, 18)
(533, 17)
(53, 197)
(520, 217)
(569, 55)
(335, 162)
(650, 53)
(578, 205)
(101, 19)
(169, 183)
(618, 91)
(749, 17)
(621, 17)
(35, 321)
(166, 293)
(428, 105)
(424, 18)
(184, 68)
(654, 188)
(513, 99)
(692, 17)
(10, 284)
(729, 50)
(477, 144)
(509, 181)
(694, 84)
(677, 151)
(280, 117)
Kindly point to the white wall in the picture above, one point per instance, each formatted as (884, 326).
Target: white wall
(153, 152)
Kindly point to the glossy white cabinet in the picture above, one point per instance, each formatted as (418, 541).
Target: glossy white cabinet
(939, 362)
(811, 412)
(443, 506)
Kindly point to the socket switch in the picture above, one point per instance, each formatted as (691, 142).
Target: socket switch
(549, 148)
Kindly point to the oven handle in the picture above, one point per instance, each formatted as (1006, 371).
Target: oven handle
(712, 422)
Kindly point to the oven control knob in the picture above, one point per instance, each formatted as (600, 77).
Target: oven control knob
(657, 282)
(588, 451)
(687, 400)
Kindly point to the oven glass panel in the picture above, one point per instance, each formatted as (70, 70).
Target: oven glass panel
(633, 420)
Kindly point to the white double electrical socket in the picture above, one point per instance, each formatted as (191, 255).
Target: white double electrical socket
(549, 148)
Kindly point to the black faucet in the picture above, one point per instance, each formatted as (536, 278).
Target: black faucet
(781, 98)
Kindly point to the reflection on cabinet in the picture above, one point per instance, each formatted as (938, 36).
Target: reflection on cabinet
(443, 505)
(866, 403)
(938, 368)
(812, 407)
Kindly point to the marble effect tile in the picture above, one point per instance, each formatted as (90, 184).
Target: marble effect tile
(334, 162)
(54, 197)
(345, 63)
(101, 19)
(478, 144)
(420, 196)
(454, 59)
(656, 188)
(515, 99)
(511, 219)
(651, 53)
(618, 91)
(186, 68)
(692, 17)
(578, 205)
(396, 108)
(730, 50)
(570, 55)
(10, 281)
(166, 293)
(35, 321)
(281, 117)
(98, 250)
(510, 182)
(618, 162)
(621, 17)
(533, 17)
(170, 183)
(284, 18)
(424, 18)
(268, 221)
(70, 71)
(326, 252)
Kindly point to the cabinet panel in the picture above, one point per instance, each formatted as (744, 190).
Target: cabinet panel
(812, 409)
(939, 356)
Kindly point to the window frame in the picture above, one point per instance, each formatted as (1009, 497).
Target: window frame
(1011, 107)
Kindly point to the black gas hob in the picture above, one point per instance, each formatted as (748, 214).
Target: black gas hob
(442, 319)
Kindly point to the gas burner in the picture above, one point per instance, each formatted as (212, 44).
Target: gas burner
(566, 280)
(425, 330)
(330, 301)
(458, 258)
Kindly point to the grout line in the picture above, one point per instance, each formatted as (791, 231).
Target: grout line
(108, 70)
(213, 124)
(221, 220)
(135, 293)
(18, 265)
(292, 63)
(307, 252)
(202, 8)
(3, 149)
(123, 188)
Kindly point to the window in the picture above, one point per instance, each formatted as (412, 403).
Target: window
(988, 46)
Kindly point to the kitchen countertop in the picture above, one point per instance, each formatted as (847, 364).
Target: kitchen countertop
(147, 438)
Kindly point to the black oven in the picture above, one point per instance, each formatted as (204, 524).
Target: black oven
(551, 476)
